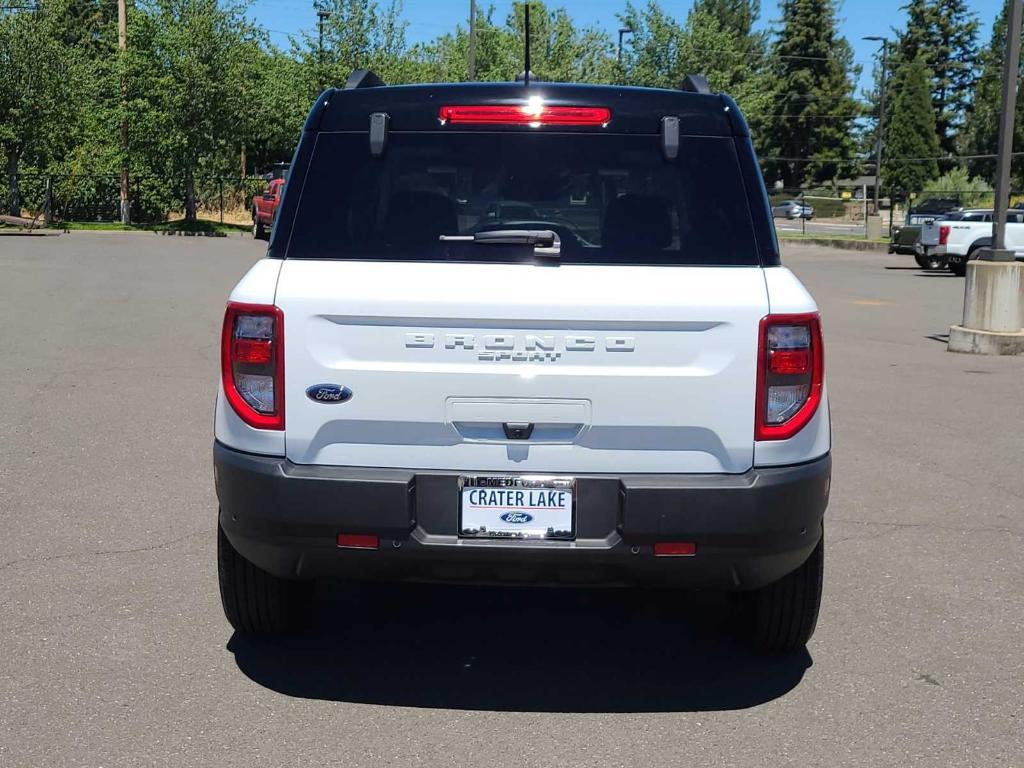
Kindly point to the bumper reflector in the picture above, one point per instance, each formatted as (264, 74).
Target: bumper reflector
(358, 541)
(675, 549)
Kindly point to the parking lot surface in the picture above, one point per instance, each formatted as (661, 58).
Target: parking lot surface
(114, 651)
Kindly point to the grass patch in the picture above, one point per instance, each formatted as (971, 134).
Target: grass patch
(178, 225)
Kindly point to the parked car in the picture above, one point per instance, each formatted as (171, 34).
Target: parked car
(263, 208)
(904, 238)
(407, 396)
(510, 210)
(793, 209)
(961, 239)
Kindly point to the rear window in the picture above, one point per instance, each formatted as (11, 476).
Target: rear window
(610, 198)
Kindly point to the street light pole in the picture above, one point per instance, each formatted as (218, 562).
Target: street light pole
(994, 288)
(472, 40)
(881, 117)
(623, 31)
(1011, 68)
(322, 16)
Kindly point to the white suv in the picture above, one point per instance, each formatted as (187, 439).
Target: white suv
(628, 390)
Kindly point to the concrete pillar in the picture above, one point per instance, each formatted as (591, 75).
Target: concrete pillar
(993, 321)
(873, 227)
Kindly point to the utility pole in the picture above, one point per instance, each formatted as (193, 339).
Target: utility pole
(472, 40)
(122, 48)
(881, 117)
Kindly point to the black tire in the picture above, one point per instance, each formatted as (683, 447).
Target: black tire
(930, 261)
(781, 617)
(256, 602)
(958, 268)
(259, 232)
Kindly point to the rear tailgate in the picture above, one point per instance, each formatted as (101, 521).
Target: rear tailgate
(617, 368)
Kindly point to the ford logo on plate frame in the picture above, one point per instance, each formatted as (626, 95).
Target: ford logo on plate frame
(328, 393)
(517, 518)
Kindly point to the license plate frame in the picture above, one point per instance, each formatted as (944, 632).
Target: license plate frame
(546, 523)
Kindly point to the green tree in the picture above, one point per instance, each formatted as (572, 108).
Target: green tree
(194, 81)
(652, 56)
(560, 51)
(943, 34)
(37, 99)
(971, 191)
(911, 141)
(981, 129)
(717, 52)
(812, 104)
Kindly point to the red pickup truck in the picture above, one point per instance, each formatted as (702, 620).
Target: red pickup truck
(263, 207)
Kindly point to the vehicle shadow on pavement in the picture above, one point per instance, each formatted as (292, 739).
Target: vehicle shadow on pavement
(524, 650)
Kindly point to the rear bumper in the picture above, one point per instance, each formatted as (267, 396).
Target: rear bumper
(749, 529)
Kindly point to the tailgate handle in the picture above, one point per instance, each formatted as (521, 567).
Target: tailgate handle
(517, 430)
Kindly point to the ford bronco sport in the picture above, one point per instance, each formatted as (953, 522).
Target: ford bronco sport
(623, 388)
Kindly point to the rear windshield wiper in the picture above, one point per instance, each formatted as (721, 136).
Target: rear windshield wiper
(544, 241)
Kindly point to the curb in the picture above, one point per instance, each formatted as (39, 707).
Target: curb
(831, 242)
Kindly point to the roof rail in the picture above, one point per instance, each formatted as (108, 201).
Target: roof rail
(363, 78)
(695, 84)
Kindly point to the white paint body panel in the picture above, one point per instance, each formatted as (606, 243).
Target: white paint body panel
(964, 234)
(655, 369)
(656, 366)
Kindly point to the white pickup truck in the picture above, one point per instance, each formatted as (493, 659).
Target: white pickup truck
(422, 382)
(962, 234)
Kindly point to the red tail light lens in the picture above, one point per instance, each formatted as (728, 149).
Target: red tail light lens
(790, 374)
(534, 112)
(943, 234)
(252, 363)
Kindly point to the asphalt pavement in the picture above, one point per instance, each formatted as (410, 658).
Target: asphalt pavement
(114, 650)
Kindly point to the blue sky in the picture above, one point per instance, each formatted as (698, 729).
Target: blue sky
(429, 18)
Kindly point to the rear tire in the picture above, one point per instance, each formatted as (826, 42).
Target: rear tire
(259, 232)
(781, 617)
(930, 261)
(958, 268)
(256, 602)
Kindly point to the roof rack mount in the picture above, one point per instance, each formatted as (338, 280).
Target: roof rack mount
(363, 78)
(695, 84)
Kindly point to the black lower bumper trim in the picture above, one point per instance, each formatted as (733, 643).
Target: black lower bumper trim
(750, 529)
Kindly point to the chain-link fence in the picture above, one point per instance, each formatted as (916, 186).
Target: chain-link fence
(846, 211)
(68, 198)
(97, 198)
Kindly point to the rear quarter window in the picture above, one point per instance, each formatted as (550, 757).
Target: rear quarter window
(610, 198)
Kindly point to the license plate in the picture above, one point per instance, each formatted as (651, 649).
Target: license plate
(517, 507)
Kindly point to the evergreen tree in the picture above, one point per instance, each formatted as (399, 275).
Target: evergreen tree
(911, 142)
(981, 131)
(943, 33)
(736, 18)
(812, 100)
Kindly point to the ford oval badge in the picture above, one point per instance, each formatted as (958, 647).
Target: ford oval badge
(517, 518)
(328, 393)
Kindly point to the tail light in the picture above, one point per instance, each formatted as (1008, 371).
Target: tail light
(943, 234)
(533, 113)
(252, 363)
(790, 374)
